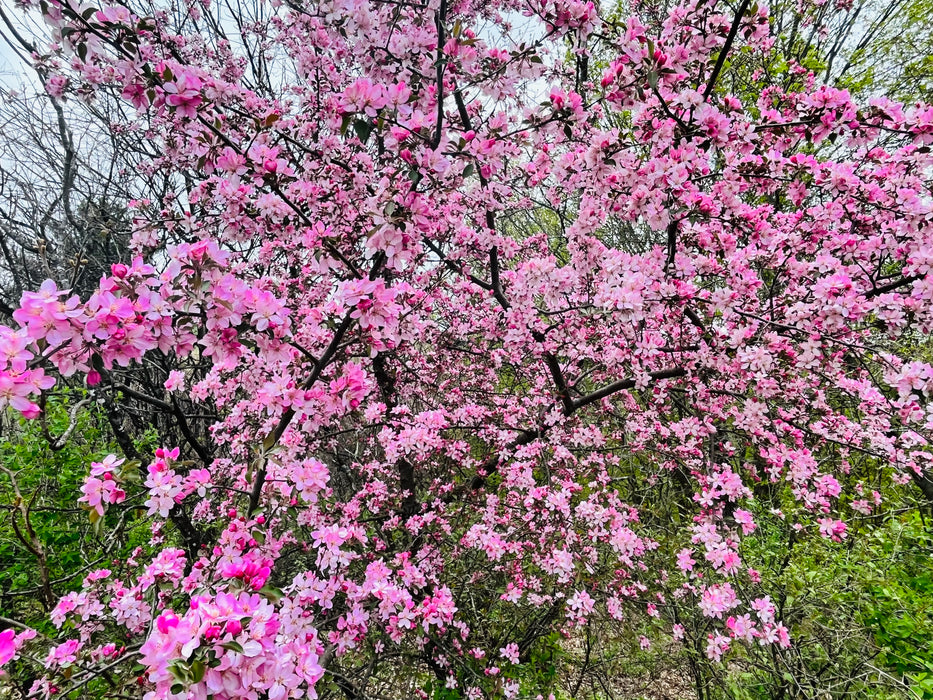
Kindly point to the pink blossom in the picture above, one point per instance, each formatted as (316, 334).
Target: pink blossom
(717, 599)
(684, 560)
(833, 529)
(56, 85)
(64, 654)
(510, 653)
(175, 381)
(7, 645)
(184, 94)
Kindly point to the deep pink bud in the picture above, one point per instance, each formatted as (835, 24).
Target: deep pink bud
(233, 627)
(167, 621)
(93, 378)
(119, 270)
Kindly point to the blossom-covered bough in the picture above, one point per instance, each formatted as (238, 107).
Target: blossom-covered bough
(437, 424)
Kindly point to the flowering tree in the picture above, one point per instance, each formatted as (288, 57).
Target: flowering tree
(433, 428)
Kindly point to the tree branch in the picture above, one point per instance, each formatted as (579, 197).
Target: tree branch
(439, 21)
(491, 465)
(624, 384)
(724, 52)
(890, 287)
(272, 438)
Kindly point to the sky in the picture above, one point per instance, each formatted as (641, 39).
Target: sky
(13, 73)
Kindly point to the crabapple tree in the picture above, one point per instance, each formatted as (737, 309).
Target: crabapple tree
(416, 438)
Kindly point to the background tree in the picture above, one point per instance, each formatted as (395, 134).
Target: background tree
(63, 203)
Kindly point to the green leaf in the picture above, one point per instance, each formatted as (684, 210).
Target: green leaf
(363, 129)
(273, 594)
(180, 671)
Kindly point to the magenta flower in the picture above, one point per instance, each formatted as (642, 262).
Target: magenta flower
(184, 94)
(7, 645)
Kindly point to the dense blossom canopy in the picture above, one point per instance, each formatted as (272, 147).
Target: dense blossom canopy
(430, 414)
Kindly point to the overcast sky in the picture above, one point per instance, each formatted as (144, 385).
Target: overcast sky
(13, 74)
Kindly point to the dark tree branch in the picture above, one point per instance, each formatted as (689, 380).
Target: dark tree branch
(890, 287)
(624, 384)
(276, 434)
(175, 410)
(491, 465)
(439, 21)
(724, 52)
(406, 471)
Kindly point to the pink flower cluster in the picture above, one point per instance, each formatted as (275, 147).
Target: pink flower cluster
(102, 486)
(417, 373)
